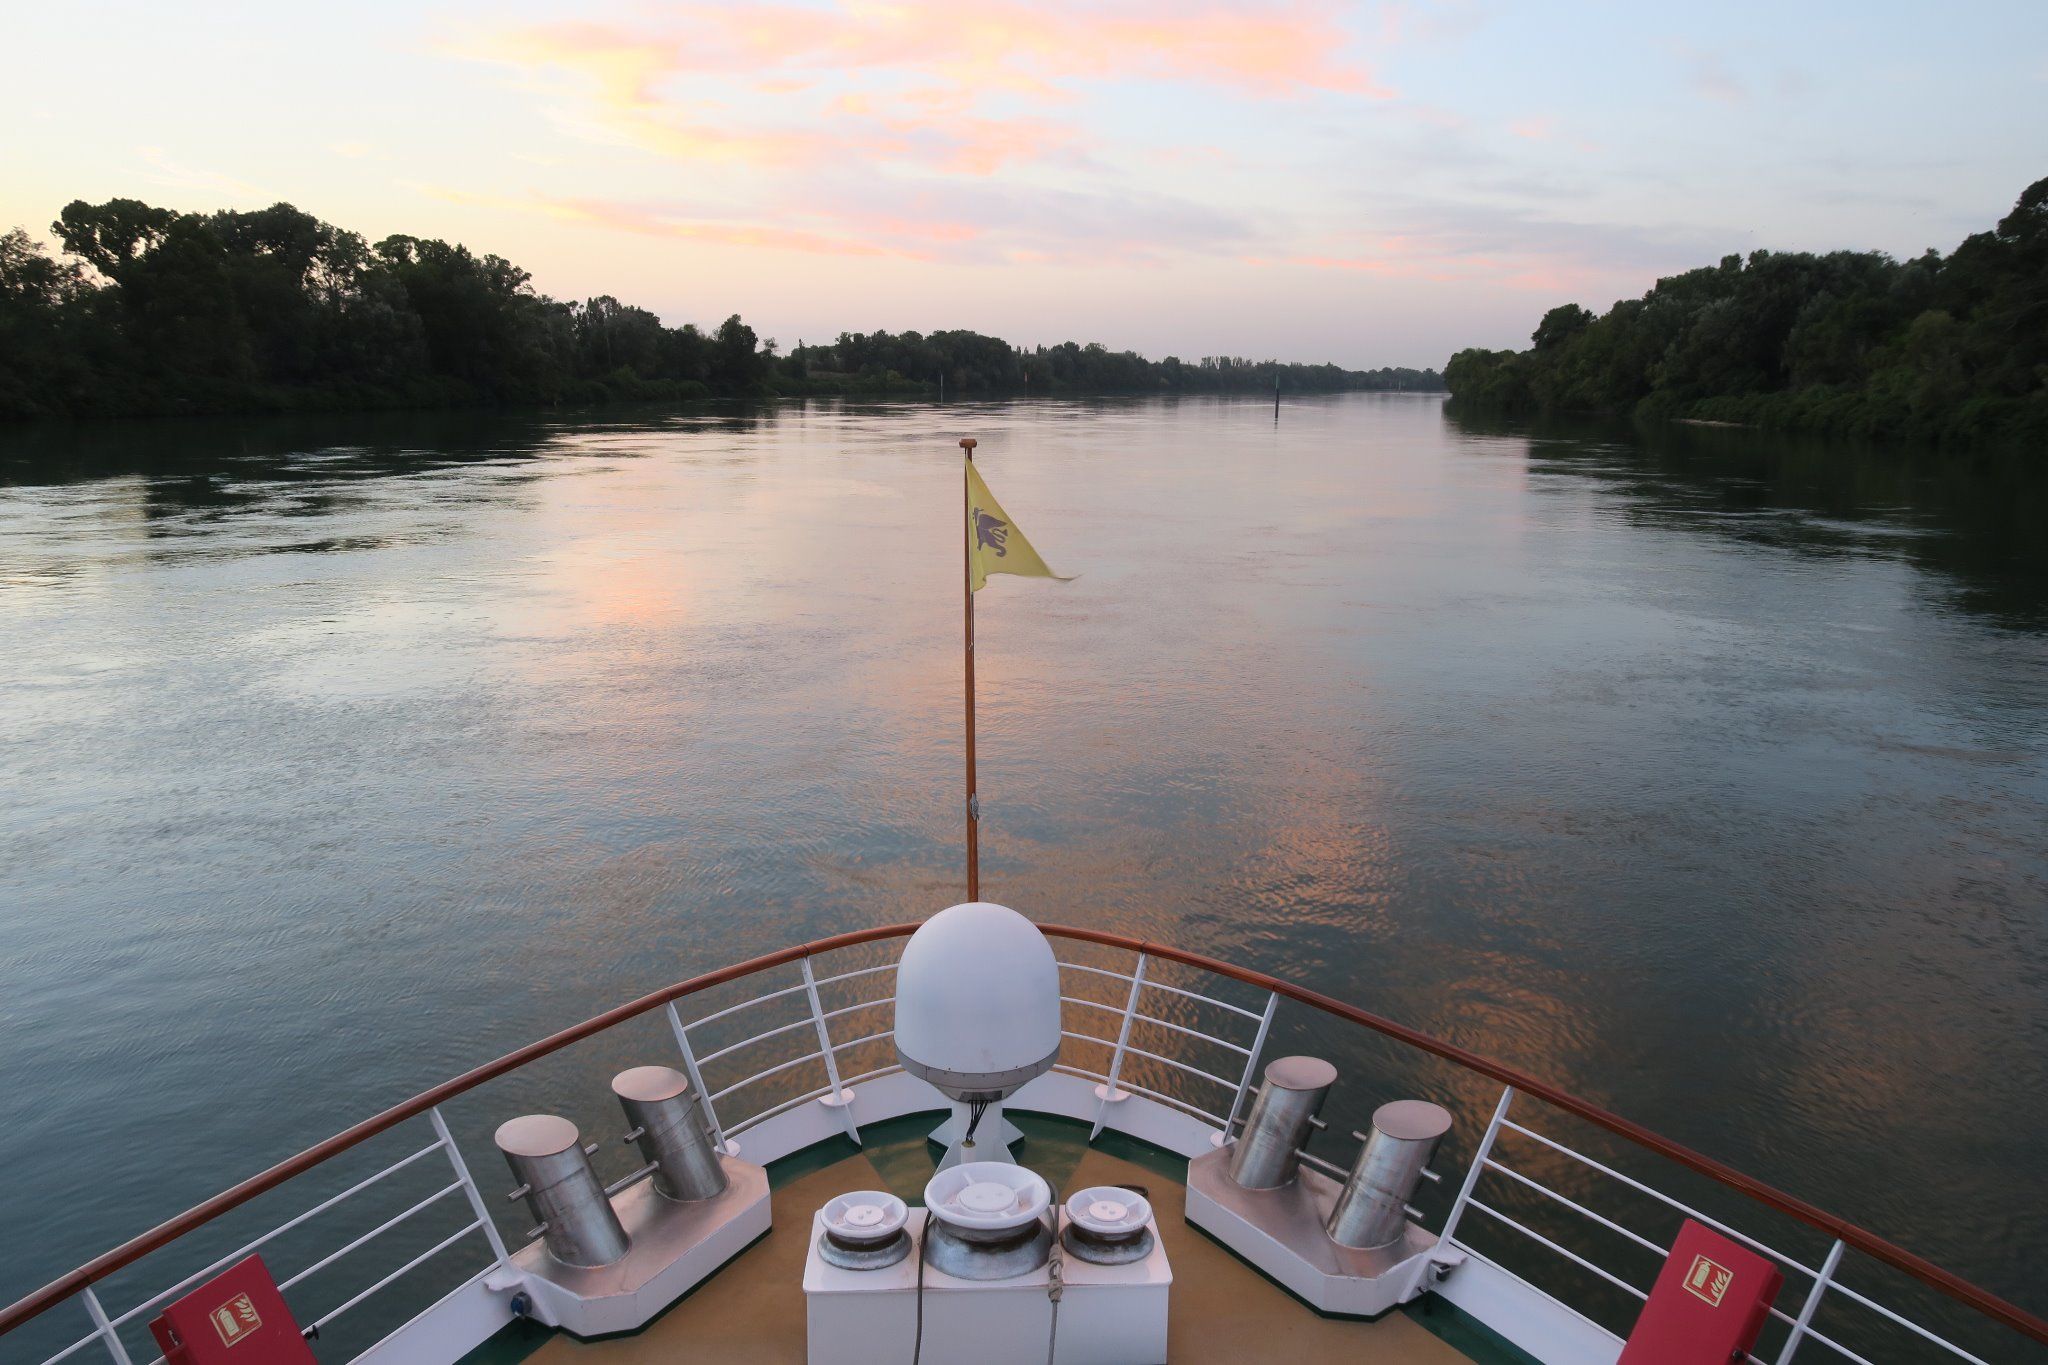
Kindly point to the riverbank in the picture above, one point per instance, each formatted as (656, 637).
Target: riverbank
(149, 312)
(1950, 351)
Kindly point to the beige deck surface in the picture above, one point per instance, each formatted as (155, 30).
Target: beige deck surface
(753, 1311)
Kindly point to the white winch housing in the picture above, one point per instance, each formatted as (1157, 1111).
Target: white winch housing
(1109, 1211)
(864, 1216)
(987, 1196)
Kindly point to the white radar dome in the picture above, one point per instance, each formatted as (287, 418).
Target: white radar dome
(977, 1002)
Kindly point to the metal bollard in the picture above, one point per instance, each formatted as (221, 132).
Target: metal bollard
(664, 1120)
(555, 1179)
(1291, 1093)
(1372, 1208)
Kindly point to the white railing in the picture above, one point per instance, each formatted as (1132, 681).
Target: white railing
(817, 1021)
(1799, 1328)
(1113, 1086)
(107, 1327)
(771, 1084)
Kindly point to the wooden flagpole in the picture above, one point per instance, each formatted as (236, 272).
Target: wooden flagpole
(967, 443)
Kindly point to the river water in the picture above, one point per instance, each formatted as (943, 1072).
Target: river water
(1703, 774)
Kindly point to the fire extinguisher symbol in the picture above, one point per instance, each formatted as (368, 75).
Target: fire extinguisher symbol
(235, 1319)
(1708, 1280)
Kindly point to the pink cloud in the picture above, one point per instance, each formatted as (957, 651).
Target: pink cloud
(981, 146)
(1367, 264)
(651, 222)
(1449, 261)
(1271, 50)
(1501, 249)
(955, 57)
(850, 216)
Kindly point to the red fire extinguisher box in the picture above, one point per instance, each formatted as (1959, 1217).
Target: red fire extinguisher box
(1708, 1305)
(235, 1318)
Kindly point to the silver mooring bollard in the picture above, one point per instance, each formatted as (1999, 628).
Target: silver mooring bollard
(664, 1120)
(1372, 1208)
(554, 1175)
(1293, 1090)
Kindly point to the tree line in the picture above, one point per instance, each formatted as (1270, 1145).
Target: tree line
(1939, 348)
(145, 310)
(973, 363)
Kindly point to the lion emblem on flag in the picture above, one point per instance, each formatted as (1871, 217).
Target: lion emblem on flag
(991, 532)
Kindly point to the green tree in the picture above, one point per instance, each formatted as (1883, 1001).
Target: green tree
(737, 365)
(152, 310)
(1846, 341)
(113, 236)
(1560, 325)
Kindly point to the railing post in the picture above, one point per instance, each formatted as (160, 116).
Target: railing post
(675, 1023)
(1251, 1067)
(108, 1335)
(476, 1196)
(1116, 1058)
(1479, 1155)
(1813, 1298)
(840, 1099)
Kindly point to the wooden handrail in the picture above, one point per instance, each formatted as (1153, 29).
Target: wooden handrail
(1868, 1243)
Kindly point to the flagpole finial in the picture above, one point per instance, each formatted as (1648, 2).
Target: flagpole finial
(968, 443)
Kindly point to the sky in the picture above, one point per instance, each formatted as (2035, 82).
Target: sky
(1374, 184)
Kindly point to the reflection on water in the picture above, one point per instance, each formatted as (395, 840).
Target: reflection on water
(1974, 519)
(1701, 773)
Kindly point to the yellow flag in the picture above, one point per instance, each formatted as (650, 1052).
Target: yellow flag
(994, 544)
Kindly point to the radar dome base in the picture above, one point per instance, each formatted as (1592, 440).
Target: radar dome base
(997, 1139)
